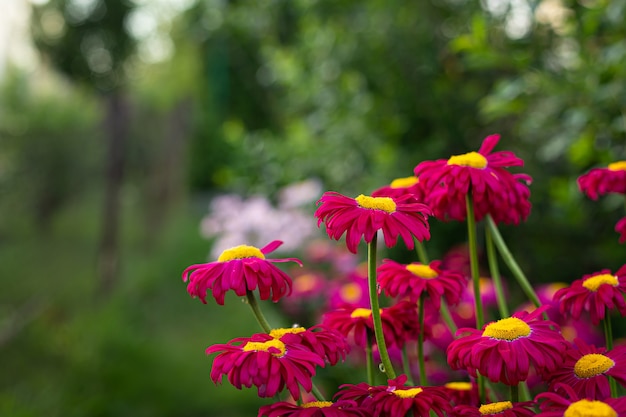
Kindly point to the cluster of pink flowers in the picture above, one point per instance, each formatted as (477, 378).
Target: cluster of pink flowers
(569, 375)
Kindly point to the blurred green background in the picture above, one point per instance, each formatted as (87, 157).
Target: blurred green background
(120, 120)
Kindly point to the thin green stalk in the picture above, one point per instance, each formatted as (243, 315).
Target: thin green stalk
(420, 249)
(512, 263)
(495, 274)
(378, 326)
(447, 317)
(473, 251)
(420, 341)
(406, 366)
(369, 360)
(514, 393)
(608, 337)
(258, 314)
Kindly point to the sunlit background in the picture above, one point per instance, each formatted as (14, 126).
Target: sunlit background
(139, 137)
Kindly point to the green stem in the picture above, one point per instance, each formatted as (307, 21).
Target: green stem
(317, 394)
(512, 263)
(256, 310)
(406, 365)
(420, 341)
(369, 357)
(378, 326)
(525, 392)
(514, 393)
(495, 274)
(608, 337)
(422, 255)
(473, 252)
(447, 317)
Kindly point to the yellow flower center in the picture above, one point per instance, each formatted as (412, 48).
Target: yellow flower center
(470, 159)
(495, 408)
(593, 283)
(422, 271)
(587, 408)
(350, 292)
(278, 333)
(304, 283)
(317, 404)
(459, 386)
(361, 313)
(510, 328)
(618, 166)
(376, 203)
(265, 347)
(407, 393)
(240, 252)
(404, 182)
(592, 364)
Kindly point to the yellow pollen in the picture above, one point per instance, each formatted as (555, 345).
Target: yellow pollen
(618, 166)
(510, 328)
(587, 408)
(240, 252)
(592, 364)
(265, 347)
(278, 333)
(422, 271)
(304, 283)
(361, 313)
(317, 404)
(459, 386)
(593, 283)
(404, 182)
(495, 408)
(407, 393)
(470, 159)
(376, 203)
(350, 293)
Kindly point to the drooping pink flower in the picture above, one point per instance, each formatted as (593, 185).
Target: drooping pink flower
(504, 350)
(326, 342)
(495, 190)
(595, 293)
(587, 369)
(364, 216)
(568, 403)
(266, 362)
(500, 409)
(399, 280)
(397, 400)
(314, 409)
(601, 181)
(241, 269)
(401, 186)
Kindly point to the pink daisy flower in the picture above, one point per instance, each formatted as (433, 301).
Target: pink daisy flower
(399, 323)
(570, 404)
(314, 409)
(268, 363)
(601, 181)
(496, 191)
(620, 228)
(399, 280)
(241, 269)
(462, 393)
(396, 400)
(400, 187)
(364, 216)
(504, 350)
(501, 409)
(587, 370)
(595, 293)
(325, 342)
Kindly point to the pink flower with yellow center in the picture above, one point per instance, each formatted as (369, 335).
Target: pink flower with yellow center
(500, 409)
(241, 268)
(397, 400)
(399, 280)
(314, 409)
(567, 403)
(399, 324)
(601, 181)
(364, 216)
(495, 190)
(266, 362)
(325, 342)
(400, 187)
(462, 393)
(620, 228)
(586, 369)
(595, 293)
(504, 350)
